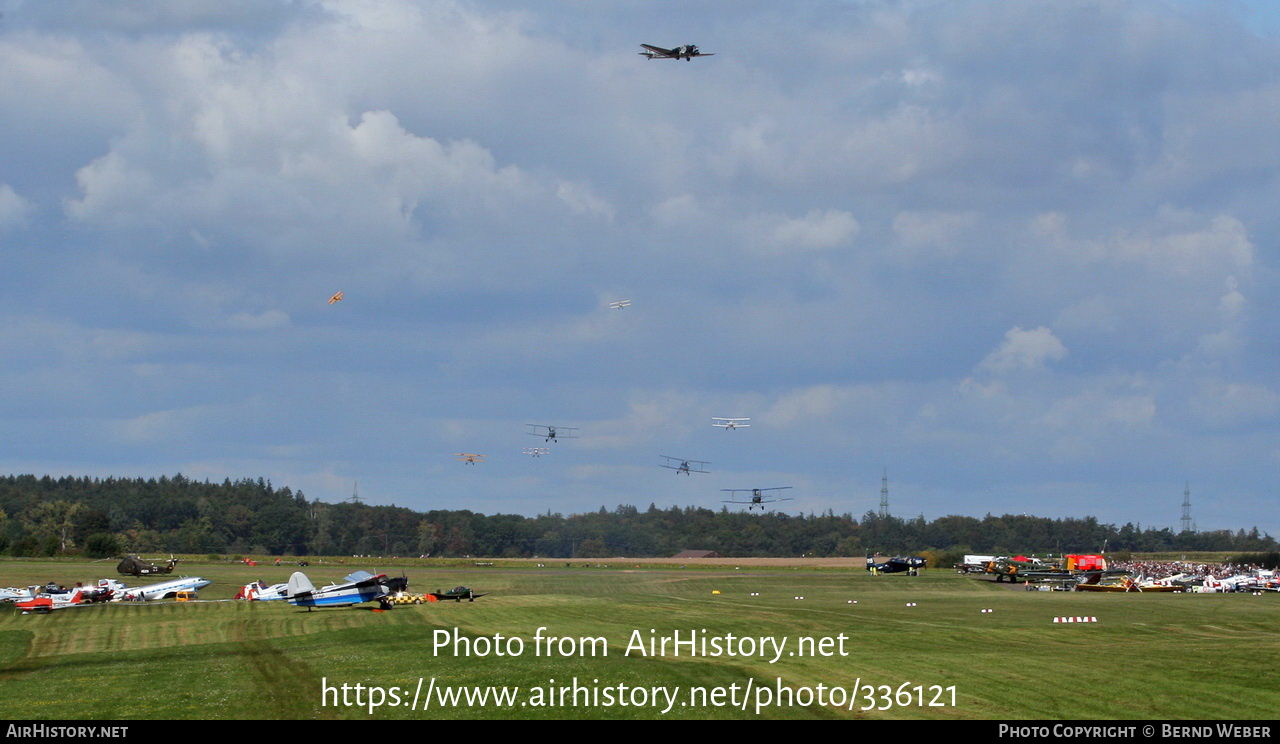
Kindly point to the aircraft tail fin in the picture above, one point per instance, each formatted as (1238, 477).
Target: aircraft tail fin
(299, 584)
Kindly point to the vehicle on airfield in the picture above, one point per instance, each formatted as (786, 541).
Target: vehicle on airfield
(135, 566)
(1084, 562)
(731, 423)
(552, 433)
(356, 588)
(685, 466)
(686, 52)
(759, 496)
(457, 594)
(974, 563)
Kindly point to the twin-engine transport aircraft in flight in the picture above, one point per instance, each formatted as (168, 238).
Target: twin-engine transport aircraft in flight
(686, 52)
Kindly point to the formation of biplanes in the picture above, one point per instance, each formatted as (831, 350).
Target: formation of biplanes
(358, 587)
(752, 498)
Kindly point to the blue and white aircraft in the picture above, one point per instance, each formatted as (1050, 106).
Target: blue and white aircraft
(358, 587)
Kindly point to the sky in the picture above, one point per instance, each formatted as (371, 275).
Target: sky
(1019, 257)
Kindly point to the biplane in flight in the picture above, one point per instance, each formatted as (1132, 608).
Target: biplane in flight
(552, 433)
(619, 304)
(681, 465)
(759, 496)
(731, 423)
(469, 458)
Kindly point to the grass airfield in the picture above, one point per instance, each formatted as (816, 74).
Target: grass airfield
(1149, 656)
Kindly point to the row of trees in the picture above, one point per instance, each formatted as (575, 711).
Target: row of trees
(106, 517)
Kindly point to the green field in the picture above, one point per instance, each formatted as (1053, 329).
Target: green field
(1153, 656)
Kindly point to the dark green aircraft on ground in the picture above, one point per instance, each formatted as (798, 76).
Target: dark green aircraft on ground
(457, 594)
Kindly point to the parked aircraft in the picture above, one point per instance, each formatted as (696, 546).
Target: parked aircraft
(685, 466)
(78, 597)
(260, 592)
(759, 496)
(15, 594)
(356, 588)
(685, 52)
(897, 564)
(164, 590)
(135, 566)
(731, 423)
(457, 594)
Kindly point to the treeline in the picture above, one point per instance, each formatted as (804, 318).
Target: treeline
(108, 517)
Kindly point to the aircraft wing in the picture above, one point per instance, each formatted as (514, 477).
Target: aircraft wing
(368, 580)
(656, 51)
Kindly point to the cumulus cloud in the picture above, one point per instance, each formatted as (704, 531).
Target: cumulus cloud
(260, 321)
(1023, 350)
(13, 208)
(822, 239)
(1222, 245)
(932, 233)
(817, 230)
(1223, 404)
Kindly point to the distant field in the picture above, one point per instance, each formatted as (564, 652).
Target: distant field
(1166, 656)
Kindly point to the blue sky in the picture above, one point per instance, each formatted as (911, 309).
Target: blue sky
(1022, 256)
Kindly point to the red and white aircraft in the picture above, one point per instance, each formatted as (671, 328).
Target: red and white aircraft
(78, 597)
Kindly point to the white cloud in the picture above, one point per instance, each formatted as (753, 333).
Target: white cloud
(258, 322)
(817, 230)
(1025, 350)
(932, 233)
(162, 426)
(1222, 404)
(13, 208)
(1222, 245)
